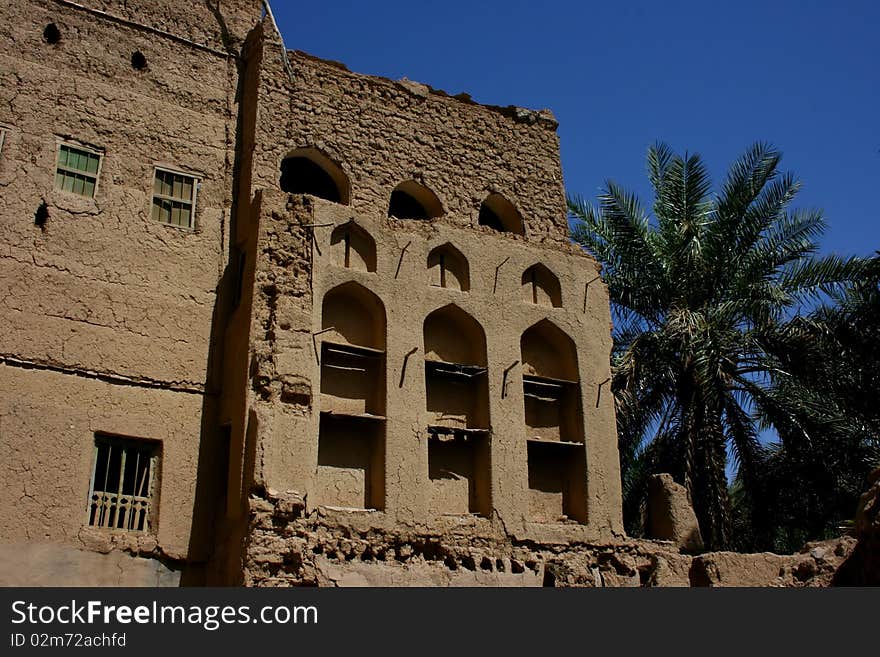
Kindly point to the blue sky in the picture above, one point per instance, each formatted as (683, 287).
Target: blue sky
(708, 77)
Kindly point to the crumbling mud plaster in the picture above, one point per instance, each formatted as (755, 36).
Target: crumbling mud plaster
(288, 547)
(670, 514)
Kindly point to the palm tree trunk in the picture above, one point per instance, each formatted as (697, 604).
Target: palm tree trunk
(705, 465)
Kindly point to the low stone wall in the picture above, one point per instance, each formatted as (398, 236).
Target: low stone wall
(327, 547)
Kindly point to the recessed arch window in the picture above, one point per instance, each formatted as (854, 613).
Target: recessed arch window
(309, 171)
(498, 213)
(351, 433)
(411, 200)
(457, 396)
(541, 286)
(354, 315)
(547, 351)
(449, 268)
(353, 247)
(554, 425)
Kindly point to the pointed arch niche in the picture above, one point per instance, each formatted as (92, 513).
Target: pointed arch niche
(411, 200)
(351, 437)
(309, 171)
(353, 247)
(457, 397)
(554, 425)
(499, 214)
(448, 268)
(541, 287)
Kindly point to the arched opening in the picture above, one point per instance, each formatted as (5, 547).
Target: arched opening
(410, 200)
(353, 247)
(499, 214)
(554, 425)
(308, 171)
(457, 393)
(453, 336)
(449, 268)
(540, 286)
(351, 438)
(549, 353)
(353, 315)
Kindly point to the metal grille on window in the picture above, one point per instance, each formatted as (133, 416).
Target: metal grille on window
(174, 198)
(77, 170)
(123, 479)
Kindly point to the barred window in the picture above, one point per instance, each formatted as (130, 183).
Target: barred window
(123, 483)
(77, 170)
(174, 198)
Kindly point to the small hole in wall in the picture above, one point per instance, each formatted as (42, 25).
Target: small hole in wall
(51, 34)
(138, 61)
(41, 216)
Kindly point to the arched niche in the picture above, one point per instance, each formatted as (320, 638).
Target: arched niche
(457, 399)
(554, 424)
(547, 351)
(410, 200)
(498, 213)
(353, 247)
(353, 315)
(541, 286)
(351, 433)
(448, 268)
(453, 336)
(309, 171)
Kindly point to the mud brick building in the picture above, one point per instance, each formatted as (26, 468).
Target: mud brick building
(268, 321)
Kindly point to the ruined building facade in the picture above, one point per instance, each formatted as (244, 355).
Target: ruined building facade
(268, 321)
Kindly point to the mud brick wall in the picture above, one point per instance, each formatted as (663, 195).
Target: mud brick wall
(108, 321)
(361, 447)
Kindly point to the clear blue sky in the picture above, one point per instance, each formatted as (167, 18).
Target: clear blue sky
(710, 77)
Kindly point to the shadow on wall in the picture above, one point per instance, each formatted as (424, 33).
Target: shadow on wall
(212, 470)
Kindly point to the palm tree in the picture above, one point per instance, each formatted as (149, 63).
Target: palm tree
(704, 291)
(826, 414)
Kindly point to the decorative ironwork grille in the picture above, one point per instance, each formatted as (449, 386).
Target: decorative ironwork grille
(123, 483)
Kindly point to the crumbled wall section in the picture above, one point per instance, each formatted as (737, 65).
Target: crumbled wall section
(382, 133)
(290, 547)
(216, 24)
